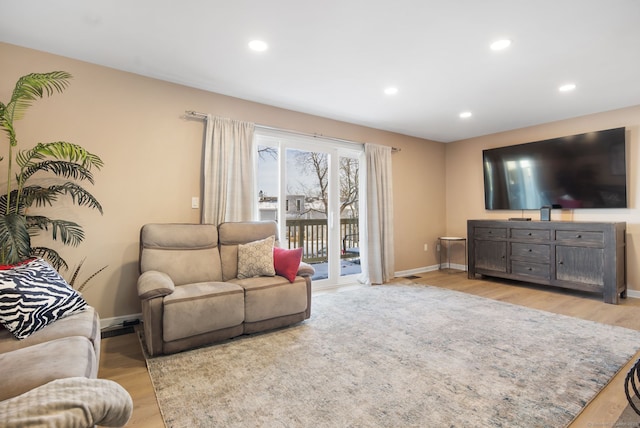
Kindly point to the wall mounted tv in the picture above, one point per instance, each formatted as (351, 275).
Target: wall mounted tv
(578, 171)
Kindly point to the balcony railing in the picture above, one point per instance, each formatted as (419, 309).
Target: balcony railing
(312, 236)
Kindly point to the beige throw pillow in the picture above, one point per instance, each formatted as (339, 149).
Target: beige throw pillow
(256, 258)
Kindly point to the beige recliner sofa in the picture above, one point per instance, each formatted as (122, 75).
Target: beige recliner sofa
(49, 378)
(190, 292)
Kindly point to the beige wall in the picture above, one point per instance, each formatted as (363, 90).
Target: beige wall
(152, 160)
(465, 194)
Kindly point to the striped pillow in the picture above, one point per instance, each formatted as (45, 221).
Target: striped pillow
(33, 295)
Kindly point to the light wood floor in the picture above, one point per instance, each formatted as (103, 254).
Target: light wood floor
(122, 360)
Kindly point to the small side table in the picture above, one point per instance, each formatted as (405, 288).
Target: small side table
(448, 240)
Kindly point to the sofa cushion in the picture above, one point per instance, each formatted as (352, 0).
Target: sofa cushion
(194, 309)
(30, 367)
(85, 323)
(33, 295)
(286, 262)
(256, 258)
(270, 297)
(69, 402)
(234, 233)
(188, 253)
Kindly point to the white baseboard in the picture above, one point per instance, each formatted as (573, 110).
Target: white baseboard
(427, 269)
(634, 294)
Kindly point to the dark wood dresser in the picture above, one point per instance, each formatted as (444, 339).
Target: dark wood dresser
(578, 255)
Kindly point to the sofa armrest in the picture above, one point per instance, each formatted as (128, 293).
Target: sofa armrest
(76, 401)
(153, 284)
(305, 269)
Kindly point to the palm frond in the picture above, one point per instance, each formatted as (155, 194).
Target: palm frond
(15, 238)
(28, 89)
(3, 120)
(50, 256)
(35, 196)
(70, 152)
(69, 232)
(60, 150)
(58, 168)
(81, 196)
(37, 222)
(34, 86)
(15, 207)
(42, 196)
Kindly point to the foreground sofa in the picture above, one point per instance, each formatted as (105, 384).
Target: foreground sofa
(194, 291)
(49, 377)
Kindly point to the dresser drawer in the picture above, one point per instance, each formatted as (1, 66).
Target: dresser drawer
(537, 270)
(531, 234)
(490, 232)
(577, 236)
(533, 252)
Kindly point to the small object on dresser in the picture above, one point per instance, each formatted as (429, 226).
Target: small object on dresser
(545, 213)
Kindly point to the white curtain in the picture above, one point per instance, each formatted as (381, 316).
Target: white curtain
(379, 253)
(229, 171)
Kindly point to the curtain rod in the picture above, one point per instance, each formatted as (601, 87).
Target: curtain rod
(272, 128)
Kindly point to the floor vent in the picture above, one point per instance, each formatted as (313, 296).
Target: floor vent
(412, 277)
(116, 332)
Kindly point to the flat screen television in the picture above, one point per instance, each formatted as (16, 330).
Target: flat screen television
(578, 171)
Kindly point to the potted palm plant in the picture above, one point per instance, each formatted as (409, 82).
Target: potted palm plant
(65, 167)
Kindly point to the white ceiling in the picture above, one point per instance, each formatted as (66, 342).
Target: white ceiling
(333, 58)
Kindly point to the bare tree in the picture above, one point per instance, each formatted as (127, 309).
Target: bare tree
(349, 184)
(316, 165)
(265, 151)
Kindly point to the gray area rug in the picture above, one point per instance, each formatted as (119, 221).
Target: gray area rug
(397, 356)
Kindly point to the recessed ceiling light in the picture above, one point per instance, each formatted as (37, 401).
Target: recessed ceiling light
(465, 115)
(258, 45)
(567, 87)
(391, 90)
(498, 45)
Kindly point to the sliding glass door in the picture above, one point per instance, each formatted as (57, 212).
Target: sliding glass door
(312, 189)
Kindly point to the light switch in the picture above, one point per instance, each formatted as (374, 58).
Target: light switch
(195, 202)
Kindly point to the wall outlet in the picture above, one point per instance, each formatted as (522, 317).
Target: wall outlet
(426, 247)
(195, 202)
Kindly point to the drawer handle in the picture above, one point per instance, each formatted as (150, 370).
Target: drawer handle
(529, 269)
(578, 236)
(530, 250)
(560, 262)
(529, 233)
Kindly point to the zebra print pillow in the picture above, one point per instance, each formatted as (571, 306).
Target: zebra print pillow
(33, 295)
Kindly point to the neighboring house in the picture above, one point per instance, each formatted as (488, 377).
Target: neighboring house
(294, 205)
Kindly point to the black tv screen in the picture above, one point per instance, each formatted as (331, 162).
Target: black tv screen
(578, 171)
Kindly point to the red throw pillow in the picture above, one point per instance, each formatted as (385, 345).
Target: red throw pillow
(24, 262)
(287, 262)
